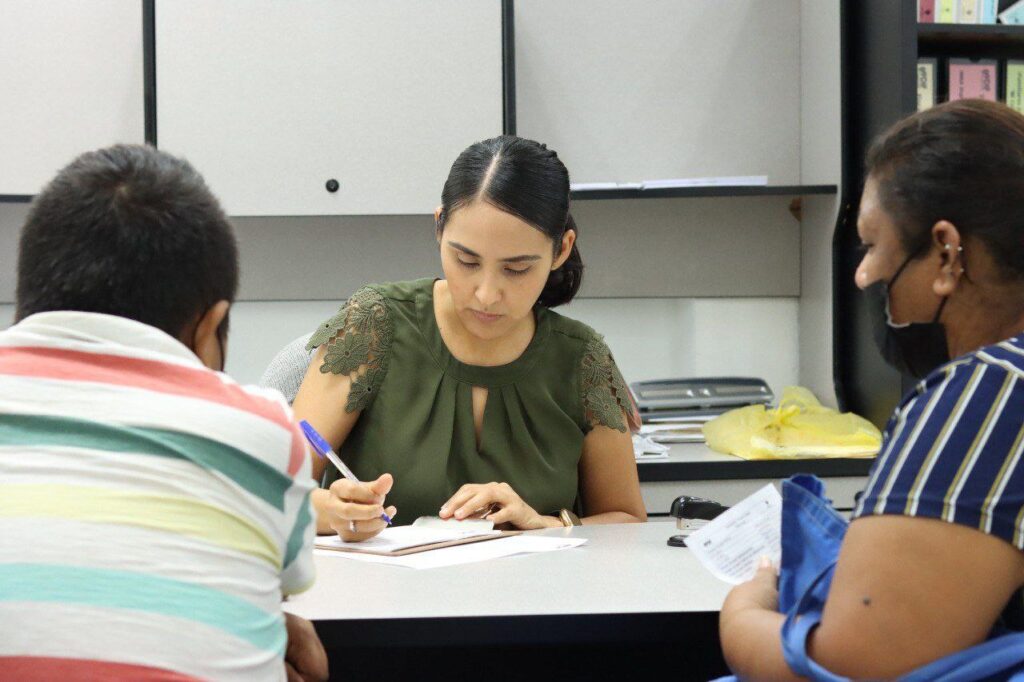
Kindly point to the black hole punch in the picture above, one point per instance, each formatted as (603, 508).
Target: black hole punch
(333, 185)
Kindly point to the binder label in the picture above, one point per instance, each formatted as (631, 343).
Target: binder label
(972, 79)
(947, 11)
(1015, 85)
(925, 84)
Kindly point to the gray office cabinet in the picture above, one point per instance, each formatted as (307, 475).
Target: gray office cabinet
(327, 107)
(633, 91)
(70, 80)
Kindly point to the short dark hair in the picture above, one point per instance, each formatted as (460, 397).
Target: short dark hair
(128, 231)
(961, 161)
(528, 180)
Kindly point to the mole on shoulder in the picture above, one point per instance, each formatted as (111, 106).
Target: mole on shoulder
(866, 601)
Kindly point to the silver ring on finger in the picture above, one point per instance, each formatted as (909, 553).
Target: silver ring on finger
(352, 526)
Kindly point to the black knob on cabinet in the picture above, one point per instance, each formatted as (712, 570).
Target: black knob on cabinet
(332, 185)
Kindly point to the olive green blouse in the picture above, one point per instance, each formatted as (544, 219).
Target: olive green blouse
(417, 410)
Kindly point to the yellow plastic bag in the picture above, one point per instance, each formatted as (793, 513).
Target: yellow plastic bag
(800, 427)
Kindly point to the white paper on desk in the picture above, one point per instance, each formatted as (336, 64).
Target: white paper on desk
(693, 419)
(470, 553)
(402, 537)
(595, 186)
(645, 448)
(648, 429)
(731, 546)
(674, 433)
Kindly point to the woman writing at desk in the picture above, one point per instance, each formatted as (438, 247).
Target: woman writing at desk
(469, 391)
(929, 563)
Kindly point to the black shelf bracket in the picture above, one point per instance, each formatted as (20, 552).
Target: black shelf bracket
(508, 67)
(149, 68)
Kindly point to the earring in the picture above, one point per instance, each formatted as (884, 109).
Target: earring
(959, 252)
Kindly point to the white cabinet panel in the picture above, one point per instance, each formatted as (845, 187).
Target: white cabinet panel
(271, 99)
(631, 91)
(70, 81)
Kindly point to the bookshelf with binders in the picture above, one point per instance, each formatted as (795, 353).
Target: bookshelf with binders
(891, 57)
(972, 56)
(969, 11)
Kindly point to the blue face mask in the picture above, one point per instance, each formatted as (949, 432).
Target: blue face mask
(914, 348)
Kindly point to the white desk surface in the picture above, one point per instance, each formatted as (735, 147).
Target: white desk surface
(623, 569)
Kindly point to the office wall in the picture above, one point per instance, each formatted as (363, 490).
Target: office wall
(721, 247)
(613, 85)
(679, 287)
(70, 79)
(650, 337)
(820, 162)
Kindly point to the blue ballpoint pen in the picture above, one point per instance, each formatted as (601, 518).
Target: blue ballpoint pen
(323, 448)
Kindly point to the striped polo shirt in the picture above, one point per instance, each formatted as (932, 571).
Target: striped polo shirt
(152, 512)
(952, 450)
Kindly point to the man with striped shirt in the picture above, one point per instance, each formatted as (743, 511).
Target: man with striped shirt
(152, 511)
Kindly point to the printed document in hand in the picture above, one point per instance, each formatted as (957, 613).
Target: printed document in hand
(731, 545)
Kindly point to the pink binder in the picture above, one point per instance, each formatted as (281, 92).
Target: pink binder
(926, 11)
(973, 79)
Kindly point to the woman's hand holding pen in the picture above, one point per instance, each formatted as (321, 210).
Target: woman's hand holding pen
(496, 502)
(354, 509)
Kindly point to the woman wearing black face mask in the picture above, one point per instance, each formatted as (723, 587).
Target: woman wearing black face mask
(932, 562)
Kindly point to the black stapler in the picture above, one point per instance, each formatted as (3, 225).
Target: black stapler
(690, 514)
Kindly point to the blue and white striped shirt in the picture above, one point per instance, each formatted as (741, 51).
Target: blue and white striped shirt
(953, 448)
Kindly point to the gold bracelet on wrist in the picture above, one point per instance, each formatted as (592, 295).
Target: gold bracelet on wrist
(568, 518)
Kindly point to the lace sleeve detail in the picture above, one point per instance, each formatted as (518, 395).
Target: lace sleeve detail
(358, 339)
(605, 394)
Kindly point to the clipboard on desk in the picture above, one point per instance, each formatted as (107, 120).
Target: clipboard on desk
(403, 540)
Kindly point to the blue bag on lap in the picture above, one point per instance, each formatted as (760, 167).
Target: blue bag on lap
(812, 533)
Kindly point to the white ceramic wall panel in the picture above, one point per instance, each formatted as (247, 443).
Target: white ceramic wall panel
(821, 163)
(815, 342)
(260, 330)
(651, 339)
(698, 337)
(630, 91)
(744, 246)
(821, 133)
(748, 246)
(272, 99)
(12, 217)
(71, 81)
(329, 257)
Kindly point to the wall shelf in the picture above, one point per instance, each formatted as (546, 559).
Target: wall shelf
(720, 191)
(959, 36)
(654, 470)
(16, 198)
